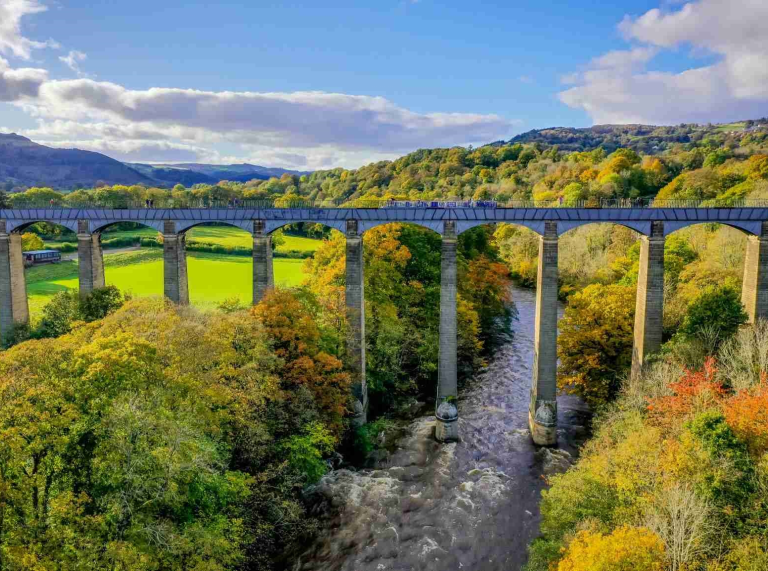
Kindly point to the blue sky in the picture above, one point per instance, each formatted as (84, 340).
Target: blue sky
(341, 83)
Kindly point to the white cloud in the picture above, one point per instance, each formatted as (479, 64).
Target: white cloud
(307, 128)
(624, 59)
(302, 129)
(618, 89)
(19, 84)
(11, 40)
(303, 119)
(137, 150)
(72, 61)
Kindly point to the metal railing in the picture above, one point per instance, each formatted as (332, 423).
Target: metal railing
(282, 203)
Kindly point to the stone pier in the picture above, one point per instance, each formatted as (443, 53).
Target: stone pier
(649, 308)
(754, 292)
(355, 304)
(13, 287)
(263, 278)
(90, 259)
(175, 284)
(446, 411)
(542, 414)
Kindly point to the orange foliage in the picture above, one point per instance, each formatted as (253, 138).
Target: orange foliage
(589, 175)
(296, 338)
(747, 415)
(488, 279)
(695, 391)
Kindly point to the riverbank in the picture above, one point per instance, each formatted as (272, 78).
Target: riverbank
(471, 504)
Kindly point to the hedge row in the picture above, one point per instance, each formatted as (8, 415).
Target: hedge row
(192, 246)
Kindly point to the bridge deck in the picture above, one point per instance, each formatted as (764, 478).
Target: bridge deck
(747, 219)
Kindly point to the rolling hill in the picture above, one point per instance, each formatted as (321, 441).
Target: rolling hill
(649, 139)
(192, 173)
(24, 162)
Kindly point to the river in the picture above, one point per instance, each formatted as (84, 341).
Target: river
(468, 505)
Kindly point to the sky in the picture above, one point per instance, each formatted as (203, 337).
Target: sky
(310, 85)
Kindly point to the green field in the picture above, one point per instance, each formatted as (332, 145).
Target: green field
(212, 278)
(224, 236)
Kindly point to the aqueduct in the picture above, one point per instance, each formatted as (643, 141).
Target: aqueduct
(653, 224)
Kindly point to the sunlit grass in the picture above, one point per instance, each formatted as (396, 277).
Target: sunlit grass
(212, 277)
(228, 236)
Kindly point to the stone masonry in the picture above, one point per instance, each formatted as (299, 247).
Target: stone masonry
(355, 304)
(14, 309)
(446, 411)
(754, 292)
(90, 259)
(649, 308)
(175, 284)
(263, 277)
(542, 415)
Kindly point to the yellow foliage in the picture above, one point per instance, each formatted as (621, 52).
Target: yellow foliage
(589, 175)
(625, 549)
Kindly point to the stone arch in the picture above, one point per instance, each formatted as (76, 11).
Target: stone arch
(433, 225)
(272, 225)
(183, 226)
(748, 227)
(536, 226)
(640, 226)
(98, 226)
(20, 226)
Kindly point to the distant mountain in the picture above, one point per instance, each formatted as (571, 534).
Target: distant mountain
(644, 138)
(26, 163)
(23, 162)
(192, 173)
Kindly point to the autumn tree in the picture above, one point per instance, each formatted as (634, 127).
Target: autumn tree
(624, 549)
(296, 341)
(595, 341)
(30, 241)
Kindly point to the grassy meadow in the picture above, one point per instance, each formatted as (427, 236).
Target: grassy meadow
(213, 278)
(227, 236)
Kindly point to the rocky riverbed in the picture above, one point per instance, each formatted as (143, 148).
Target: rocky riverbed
(467, 505)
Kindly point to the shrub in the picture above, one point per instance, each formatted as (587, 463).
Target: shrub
(305, 452)
(365, 437)
(748, 554)
(66, 308)
(695, 391)
(63, 247)
(724, 471)
(59, 314)
(718, 309)
(100, 303)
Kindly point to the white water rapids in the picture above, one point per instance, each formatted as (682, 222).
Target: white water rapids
(470, 505)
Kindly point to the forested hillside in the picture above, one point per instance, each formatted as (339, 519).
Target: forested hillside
(641, 138)
(722, 165)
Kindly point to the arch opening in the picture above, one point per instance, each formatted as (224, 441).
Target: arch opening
(49, 265)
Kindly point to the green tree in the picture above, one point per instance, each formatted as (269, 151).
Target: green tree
(717, 310)
(101, 302)
(59, 314)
